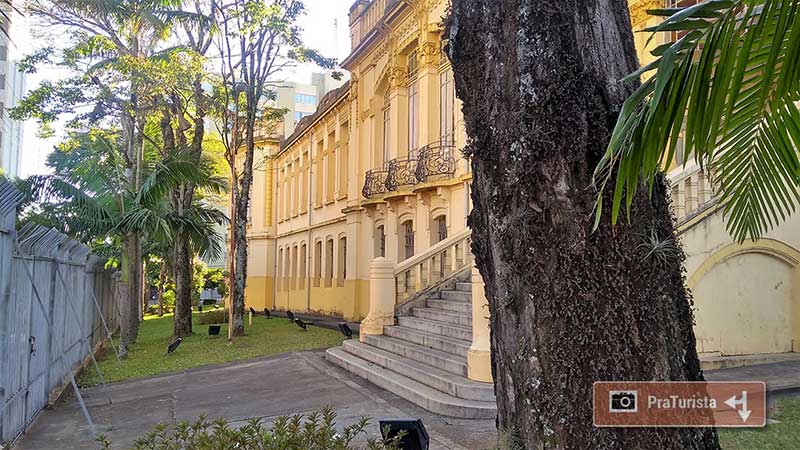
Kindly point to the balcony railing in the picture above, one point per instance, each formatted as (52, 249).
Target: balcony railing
(436, 159)
(375, 183)
(402, 172)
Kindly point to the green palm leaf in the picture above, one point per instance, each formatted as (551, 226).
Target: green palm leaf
(730, 85)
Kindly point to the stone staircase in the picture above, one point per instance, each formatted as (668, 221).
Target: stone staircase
(424, 357)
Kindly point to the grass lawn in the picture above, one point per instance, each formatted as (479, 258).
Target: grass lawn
(779, 436)
(148, 356)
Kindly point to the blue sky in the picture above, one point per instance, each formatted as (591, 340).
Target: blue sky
(318, 33)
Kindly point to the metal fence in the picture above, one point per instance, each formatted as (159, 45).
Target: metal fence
(58, 303)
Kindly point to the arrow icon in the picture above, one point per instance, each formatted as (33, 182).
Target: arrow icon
(733, 402)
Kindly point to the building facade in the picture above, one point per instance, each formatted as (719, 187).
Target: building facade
(12, 89)
(376, 173)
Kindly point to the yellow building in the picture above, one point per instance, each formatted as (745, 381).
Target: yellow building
(361, 213)
(375, 171)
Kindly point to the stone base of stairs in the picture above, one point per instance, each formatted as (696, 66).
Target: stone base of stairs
(424, 357)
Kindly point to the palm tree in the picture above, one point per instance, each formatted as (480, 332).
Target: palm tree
(728, 85)
(93, 200)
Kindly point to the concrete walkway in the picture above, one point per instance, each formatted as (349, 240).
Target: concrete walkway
(280, 385)
(782, 378)
(267, 388)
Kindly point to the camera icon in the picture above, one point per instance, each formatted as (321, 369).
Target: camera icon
(623, 401)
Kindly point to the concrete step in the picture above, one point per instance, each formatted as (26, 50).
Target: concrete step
(437, 358)
(464, 287)
(456, 295)
(411, 390)
(436, 378)
(450, 305)
(430, 326)
(439, 315)
(452, 345)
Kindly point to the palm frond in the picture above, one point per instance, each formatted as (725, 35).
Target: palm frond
(729, 87)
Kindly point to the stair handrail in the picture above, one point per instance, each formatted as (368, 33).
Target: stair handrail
(434, 249)
(434, 265)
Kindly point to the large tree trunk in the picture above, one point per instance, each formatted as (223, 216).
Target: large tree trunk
(569, 306)
(239, 227)
(182, 270)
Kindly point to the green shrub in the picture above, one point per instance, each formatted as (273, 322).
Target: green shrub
(213, 316)
(316, 431)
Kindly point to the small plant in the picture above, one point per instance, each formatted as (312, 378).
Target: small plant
(315, 431)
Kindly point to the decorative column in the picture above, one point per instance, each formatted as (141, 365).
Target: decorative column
(479, 362)
(381, 298)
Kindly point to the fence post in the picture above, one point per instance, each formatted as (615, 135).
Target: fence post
(381, 298)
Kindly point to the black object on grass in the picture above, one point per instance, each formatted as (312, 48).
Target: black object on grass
(253, 311)
(174, 345)
(346, 331)
(290, 315)
(213, 330)
(301, 324)
(267, 314)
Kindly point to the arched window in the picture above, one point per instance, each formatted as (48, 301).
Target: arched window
(341, 263)
(317, 263)
(329, 263)
(438, 234)
(294, 267)
(303, 263)
(380, 242)
(279, 273)
(406, 240)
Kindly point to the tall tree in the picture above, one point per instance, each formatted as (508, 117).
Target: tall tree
(110, 40)
(184, 111)
(258, 39)
(540, 82)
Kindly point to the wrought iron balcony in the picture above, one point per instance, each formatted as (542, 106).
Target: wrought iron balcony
(402, 172)
(436, 159)
(375, 183)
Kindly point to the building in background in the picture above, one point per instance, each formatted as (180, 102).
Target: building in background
(361, 213)
(301, 100)
(12, 89)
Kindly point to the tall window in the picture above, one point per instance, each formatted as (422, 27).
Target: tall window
(387, 129)
(447, 97)
(439, 230)
(280, 268)
(328, 263)
(317, 262)
(294, 266)
(407, 249)
(341, 263)
(303, 262)
(413, 117)
(380, 242)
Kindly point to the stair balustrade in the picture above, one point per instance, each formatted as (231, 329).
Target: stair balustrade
(691, 192)
(421, 271)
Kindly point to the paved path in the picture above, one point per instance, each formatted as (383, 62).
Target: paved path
(269, 387)
(782, 378)
(279, 385)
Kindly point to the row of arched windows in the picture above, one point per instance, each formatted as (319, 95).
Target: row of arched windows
(328, 262)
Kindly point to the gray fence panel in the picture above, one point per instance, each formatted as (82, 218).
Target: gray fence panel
(35, 359)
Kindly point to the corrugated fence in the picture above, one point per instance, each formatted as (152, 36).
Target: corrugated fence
(53, 293)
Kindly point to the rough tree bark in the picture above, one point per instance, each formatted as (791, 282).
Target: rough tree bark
(539, 82)
(240, 222)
